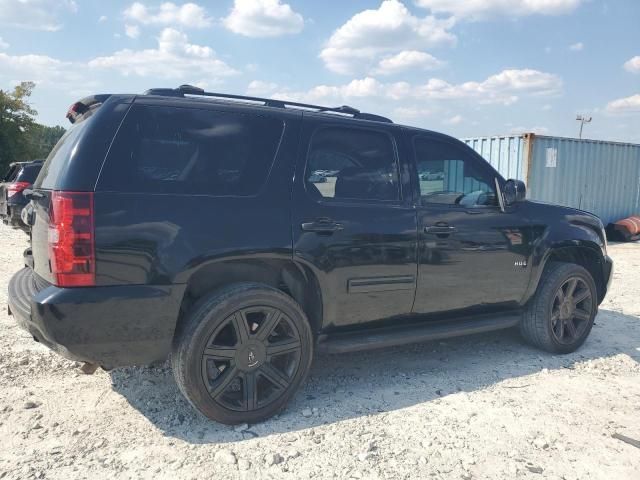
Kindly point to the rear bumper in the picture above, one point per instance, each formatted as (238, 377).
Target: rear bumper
(112, 326)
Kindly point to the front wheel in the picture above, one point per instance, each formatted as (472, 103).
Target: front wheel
(561, 315)
(242, 353)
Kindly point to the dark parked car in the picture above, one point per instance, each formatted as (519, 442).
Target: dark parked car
(187, 223)
(18, 178)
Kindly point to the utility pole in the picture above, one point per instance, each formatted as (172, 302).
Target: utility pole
(582, 119)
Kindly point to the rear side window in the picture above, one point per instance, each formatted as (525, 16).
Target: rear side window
(191, 151)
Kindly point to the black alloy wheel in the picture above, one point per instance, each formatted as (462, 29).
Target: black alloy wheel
(251, 358)
(241, 353)
(571, 310)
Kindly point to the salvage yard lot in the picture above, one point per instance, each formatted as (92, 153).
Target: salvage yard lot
(485, 406)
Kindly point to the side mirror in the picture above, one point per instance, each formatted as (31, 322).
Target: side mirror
(514, 191)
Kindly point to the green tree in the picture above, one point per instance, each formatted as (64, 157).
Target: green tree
(42, 139)
(21, 138)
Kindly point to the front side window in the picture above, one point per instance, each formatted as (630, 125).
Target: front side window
(352, 164)
(183, 150)
(447, 174)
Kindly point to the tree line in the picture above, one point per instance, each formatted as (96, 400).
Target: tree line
(21, 137)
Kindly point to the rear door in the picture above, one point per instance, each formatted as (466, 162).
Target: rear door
(353, 224)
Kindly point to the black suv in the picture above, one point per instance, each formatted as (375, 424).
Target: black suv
(240, 234)
(18, 178)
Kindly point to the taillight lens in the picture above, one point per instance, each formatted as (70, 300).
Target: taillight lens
(16, 187)
(71, 239)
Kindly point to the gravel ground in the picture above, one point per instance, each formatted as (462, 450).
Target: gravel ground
(485, 406)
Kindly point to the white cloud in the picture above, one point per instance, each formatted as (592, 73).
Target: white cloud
(258, 87)
(175, 58)
(536, 130)
(625, 105)
(503, 88)
(45, 71)
(455, 120)
(263, 18)
(411, 113)
(3, 45)
(364, 38)
(102, 19)
(132, 31)
(577, 47)
(488, 9)
(187, 15)
(35, 14)
(633, 64)
(406, 60)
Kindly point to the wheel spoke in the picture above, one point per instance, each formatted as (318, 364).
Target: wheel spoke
(223, 383)
(270, 322)
(559, 329)
(241, 327)
(251, 390)
(282, 347)
(581, 296)
(274, 375)
(220, 353)
(581, 314)
(572, 332)
(571, 287)
(560, 295)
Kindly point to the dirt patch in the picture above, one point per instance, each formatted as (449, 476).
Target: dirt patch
(485, 406)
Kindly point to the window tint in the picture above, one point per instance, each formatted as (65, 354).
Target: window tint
(348, 163)
(28, 173)
(447, 174)
(180, 150)
(58, 158)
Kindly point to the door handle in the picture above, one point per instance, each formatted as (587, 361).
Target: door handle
(440, 229)
(322, 226)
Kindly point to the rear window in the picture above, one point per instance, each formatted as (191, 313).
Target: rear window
(11, 173)
(28, 173)
(57, 160)
(191, 151)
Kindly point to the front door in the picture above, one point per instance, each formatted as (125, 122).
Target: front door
(353, 226)
(472, 255)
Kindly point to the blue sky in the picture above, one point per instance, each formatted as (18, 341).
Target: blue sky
(464, 67)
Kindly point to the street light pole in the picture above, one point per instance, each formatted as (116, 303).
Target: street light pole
(583, 119)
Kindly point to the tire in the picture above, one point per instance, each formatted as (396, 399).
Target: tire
(259, 349)
(555, 320)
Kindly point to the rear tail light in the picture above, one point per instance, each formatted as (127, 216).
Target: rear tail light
(71, 239)
(16, 187)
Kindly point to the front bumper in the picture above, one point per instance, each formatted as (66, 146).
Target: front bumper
(111, 326)
(607, 273)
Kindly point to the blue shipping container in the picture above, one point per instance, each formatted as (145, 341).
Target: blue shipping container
(596, 176)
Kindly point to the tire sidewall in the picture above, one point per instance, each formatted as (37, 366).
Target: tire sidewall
(206, 317)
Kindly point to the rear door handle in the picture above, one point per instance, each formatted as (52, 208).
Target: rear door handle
(323, 225)
(440, 229)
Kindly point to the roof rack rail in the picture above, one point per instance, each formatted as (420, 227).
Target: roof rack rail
(183, 90)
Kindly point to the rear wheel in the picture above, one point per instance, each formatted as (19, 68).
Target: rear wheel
(242, 353)
(561, 315)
